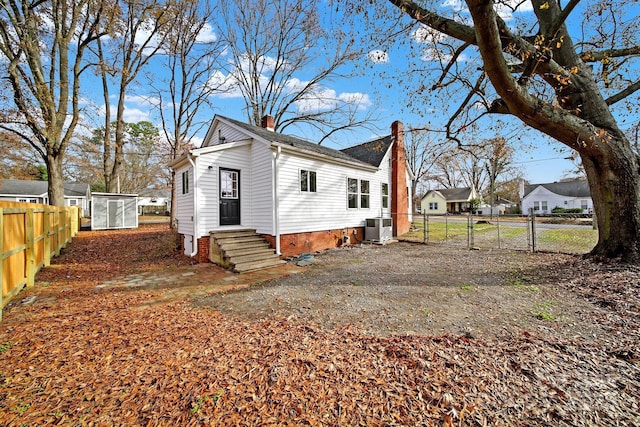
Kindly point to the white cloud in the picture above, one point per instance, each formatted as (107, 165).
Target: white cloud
(324, 99)
(206, 34)
(131, 115)
(378, 56)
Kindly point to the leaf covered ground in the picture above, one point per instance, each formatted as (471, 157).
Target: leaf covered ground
(74, 352)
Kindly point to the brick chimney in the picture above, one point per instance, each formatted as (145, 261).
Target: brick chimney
(399, 189)
(268, 123)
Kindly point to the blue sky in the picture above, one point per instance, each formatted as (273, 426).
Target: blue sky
(381, 82)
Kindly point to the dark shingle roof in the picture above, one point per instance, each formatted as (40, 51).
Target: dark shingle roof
(569, 188)
(293, 141)
(21, 187)
(453, 194)
(370, 152)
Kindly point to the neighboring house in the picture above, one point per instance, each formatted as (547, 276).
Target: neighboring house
(156, 204)
(433, 203)
(299, 196)
(447, 200)
(75, 193)
(500, 207)
(542, 198)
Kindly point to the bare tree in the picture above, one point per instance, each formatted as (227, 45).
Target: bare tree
(498, 158)
(271, 44)
(138, 35)
(190, 51)
(43, 46)
(542, 75)
(422, 154)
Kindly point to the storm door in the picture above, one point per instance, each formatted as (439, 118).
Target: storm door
(229, 197)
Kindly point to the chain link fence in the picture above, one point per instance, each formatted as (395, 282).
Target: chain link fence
(550, 233)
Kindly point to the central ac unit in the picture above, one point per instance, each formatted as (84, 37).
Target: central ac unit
(378, 229)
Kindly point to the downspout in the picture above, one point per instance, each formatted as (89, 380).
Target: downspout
(276, 200)
(194, 242)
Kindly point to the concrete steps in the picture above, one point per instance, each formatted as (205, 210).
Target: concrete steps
(242, 251)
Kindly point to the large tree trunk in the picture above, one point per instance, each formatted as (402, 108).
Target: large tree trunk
(55, 184)
(614, 180)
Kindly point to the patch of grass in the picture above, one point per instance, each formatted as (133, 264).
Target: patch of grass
(465, 289)
(4, 347)
(567, 240)
(543, 310)
(356, 283)
(21, 409)
(524, 284)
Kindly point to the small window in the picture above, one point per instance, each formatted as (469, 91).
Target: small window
(308, 181)
(385, 195)
(352, 193)
(536, 206)
(185, 182)
(73, 202)
(584, 205)
(544, 206)
(364, 194)
(433, 206)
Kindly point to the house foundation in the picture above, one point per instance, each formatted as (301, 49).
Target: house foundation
(298, 243)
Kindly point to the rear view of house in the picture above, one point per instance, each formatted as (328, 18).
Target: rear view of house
(298, 196)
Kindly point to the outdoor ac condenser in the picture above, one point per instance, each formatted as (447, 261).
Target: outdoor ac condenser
(378, 230)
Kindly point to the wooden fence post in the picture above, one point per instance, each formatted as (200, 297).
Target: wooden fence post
(47, 236)
(1, 260)
(30, 247)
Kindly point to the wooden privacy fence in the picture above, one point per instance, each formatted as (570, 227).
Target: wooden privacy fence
(31, 235)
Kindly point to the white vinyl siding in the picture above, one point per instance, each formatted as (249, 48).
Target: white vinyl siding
(184, 202)
(327, 209)
(237, 158)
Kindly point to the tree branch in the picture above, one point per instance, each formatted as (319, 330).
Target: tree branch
(632, 88)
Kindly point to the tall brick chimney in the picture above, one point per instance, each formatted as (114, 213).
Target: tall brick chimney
(268, 123)
(399, 189)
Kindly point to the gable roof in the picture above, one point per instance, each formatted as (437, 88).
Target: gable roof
(568, 189)
(293, 141)
(19, 187)
(370, 152)
(456, 194)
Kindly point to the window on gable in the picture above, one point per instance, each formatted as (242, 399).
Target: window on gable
(543, 205)
(385, 195)
(584, 205)
(307, 181)
(185, 182)
(364, 194)
(536, 206)
(352, 193)
(433, 206)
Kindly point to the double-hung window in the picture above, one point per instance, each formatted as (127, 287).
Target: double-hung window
(364, 194)
(385, 195)
(307, 181)
(358, 193)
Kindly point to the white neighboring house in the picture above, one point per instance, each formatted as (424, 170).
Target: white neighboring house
(542, 198)
(18, 190)
(299, 196)
(154, 204)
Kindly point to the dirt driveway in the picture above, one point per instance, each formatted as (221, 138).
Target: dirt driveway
(407, 288)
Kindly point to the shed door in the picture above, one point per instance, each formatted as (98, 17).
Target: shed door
(229, 197)
(115, 214)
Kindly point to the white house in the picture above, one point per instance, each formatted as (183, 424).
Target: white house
(299, 196)
(447, 200)
(17, 190)
(542, 198)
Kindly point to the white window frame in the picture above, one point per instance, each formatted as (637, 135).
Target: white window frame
(384, 190)
(310, 179)
(365, 193)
